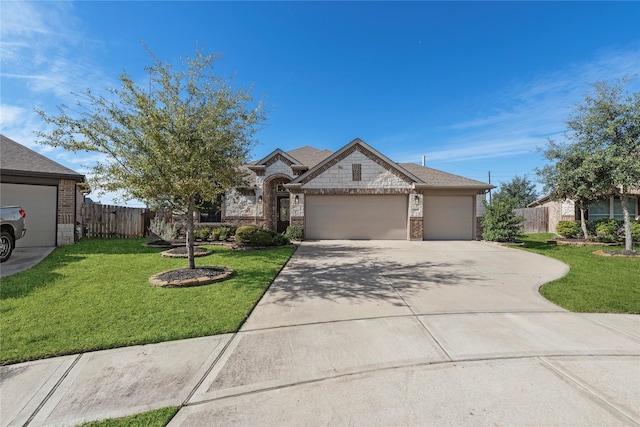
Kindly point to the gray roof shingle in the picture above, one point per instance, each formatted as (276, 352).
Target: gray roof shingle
(15, 157)
(440, 178)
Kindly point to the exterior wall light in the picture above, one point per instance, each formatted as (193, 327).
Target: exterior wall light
(260, 199)
(296, 200)
(416, 200)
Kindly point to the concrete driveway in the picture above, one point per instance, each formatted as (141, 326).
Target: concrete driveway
(369, 333)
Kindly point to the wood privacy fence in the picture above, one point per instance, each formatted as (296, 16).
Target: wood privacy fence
(536, 220)
(106, 222)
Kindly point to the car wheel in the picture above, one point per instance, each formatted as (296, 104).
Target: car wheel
(6, 245)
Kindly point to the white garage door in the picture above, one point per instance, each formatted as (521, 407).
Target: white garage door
(379, 217)
(40, 203)
(448, 217)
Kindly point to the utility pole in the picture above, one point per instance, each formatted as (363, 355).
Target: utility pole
(489, 189)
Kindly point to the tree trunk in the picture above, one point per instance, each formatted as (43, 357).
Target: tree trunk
(189, 233)
(583, 223)
(628, 239)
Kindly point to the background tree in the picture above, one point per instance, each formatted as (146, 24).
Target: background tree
(174, 146)
(520, 189)
(603, 148)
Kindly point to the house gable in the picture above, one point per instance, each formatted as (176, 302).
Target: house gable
(357, 166)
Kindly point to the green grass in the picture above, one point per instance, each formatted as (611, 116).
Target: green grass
(157, 418)
(595, 284)
(96, 295)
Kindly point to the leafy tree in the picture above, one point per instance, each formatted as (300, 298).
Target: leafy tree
(177, 146)
(575, 174)
(521, 189)
(604, 149)
(499, 223)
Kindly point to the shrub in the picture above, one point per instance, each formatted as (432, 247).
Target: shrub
(499, 223)
(215, 234)
(163, 230)
(294, 232)
(607, 230)
(202, 233)
(280, 240)
(635, 231)
(261, 238)
(244, 233)
(569, 229)
(224, 233)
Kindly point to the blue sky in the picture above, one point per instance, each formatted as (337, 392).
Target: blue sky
(473, 86)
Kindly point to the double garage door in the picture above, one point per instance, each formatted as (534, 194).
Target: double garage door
(40, 203)
(385, 217)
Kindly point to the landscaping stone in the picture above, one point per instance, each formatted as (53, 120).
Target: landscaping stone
(181, 252)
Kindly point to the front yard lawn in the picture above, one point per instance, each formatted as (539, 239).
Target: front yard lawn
(594, 283)
(96, 295)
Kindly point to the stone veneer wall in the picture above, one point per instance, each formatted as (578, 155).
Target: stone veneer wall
(373, 176)
(66, 212)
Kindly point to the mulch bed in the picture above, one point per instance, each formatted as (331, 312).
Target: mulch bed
(181, 252)
(621, 254)
(580, 242)
(186, 277)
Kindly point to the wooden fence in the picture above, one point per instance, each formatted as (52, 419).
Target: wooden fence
(536, 220)
(105, 221)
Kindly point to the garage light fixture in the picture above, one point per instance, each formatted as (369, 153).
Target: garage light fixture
(416, 200)
(260, 199)
(296, 200)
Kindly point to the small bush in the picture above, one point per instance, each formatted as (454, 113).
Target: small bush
(295, 232)
(607, 230)
(202, 233)
(163, 230)
(281, 240)
(215, 234)
(499, 223)
(569, 229)
(261, 238)
(635, 231)
(224, 233)
(244, 233)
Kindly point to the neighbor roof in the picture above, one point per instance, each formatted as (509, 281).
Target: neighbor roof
(16, 159)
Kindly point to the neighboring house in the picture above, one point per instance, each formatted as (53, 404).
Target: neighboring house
(609, 207)
(46, 190)
(355, 193)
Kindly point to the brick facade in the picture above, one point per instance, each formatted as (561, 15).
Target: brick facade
(66, 212)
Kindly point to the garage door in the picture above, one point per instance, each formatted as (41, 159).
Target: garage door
(448, 217)
(356, 217)
(40, 203)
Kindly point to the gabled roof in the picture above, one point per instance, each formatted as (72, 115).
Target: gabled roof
(346, 150)
(437, 178)
(275, 153)
(309, 156)
(16, 159)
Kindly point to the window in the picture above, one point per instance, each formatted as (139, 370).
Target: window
(356, 172)
(602, 209)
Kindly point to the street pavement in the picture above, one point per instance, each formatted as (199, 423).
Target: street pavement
(367, 333)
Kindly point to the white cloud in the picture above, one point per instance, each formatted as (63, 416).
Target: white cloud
(526, 113)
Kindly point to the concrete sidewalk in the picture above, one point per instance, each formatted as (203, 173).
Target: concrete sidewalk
(367, 333)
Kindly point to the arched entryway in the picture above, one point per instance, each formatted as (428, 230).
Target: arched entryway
(276, 209)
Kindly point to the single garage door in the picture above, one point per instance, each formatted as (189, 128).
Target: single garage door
(379, 217)
(448, 217)
(40, 203)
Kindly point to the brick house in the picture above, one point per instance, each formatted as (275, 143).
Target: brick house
(355, 193)
(46, 190)
(608, 207)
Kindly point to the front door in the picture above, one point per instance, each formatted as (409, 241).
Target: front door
(282, 214)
